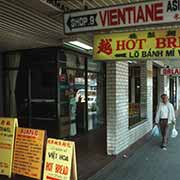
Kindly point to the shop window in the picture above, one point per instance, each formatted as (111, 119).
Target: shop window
(81, 95)
(134, 95)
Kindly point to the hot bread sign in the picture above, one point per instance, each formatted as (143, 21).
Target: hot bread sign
(123, 16)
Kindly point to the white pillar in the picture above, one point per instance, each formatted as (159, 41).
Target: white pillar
(117, 107)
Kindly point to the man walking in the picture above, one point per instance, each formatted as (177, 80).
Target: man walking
(165, 115)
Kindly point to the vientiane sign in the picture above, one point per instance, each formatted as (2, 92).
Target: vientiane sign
(155, 45)
(123, 16)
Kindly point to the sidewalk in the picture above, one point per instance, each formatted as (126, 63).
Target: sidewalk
(149, 162)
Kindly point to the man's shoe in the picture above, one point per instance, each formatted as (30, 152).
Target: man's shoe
(164, 148)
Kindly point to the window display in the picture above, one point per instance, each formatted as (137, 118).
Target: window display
(134, 95)
(80, 107)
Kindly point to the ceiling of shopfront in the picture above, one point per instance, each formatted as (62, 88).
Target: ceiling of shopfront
(28, 24)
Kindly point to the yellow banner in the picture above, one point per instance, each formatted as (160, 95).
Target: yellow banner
(7, 134)
(28, 152)
(153, 45)
(60, 160)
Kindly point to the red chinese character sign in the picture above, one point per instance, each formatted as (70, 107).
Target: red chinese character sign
(7, 135)
(60, 160)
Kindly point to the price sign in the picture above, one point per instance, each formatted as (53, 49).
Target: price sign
(28, 152)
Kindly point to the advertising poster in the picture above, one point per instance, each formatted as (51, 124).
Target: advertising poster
(7, 134)
(148, 45)
(60, 160)
(28, 152)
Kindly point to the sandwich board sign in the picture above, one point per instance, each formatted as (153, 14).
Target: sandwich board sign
(60, 160)
(7, 134)
(123, 16)
(28, 152)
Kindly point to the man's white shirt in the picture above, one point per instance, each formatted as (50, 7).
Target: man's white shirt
(165, 111)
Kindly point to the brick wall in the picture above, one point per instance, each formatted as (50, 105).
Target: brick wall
(119, 136)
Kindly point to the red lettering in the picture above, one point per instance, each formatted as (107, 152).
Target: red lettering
(113, 17)
(160, 42)
(131, 44)
(171, 42)
(49, 166)
(164, 71)
(128, 11)
(158, 11)
(103, 16)
(141, 41)
(176, 71)
(60, 169)
(120, 45)
(149, 12)
(121, 16)
(140, 16)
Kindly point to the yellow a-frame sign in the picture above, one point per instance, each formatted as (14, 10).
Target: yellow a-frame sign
(60, 160)
(7, 135)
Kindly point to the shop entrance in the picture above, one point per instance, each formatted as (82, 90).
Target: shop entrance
(63, 94)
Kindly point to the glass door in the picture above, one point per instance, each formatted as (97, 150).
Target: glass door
(92, 101)
(72, 101)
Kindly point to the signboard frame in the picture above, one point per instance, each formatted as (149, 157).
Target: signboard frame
(77, 14)
(150, 42)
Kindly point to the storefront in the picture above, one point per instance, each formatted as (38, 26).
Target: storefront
(60, 90)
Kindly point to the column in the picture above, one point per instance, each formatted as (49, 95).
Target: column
(147, 90)
(117, 107)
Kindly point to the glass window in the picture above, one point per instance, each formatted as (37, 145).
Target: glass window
(81, 96)
(134, 95)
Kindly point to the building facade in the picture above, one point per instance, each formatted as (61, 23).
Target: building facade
(49, 85)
